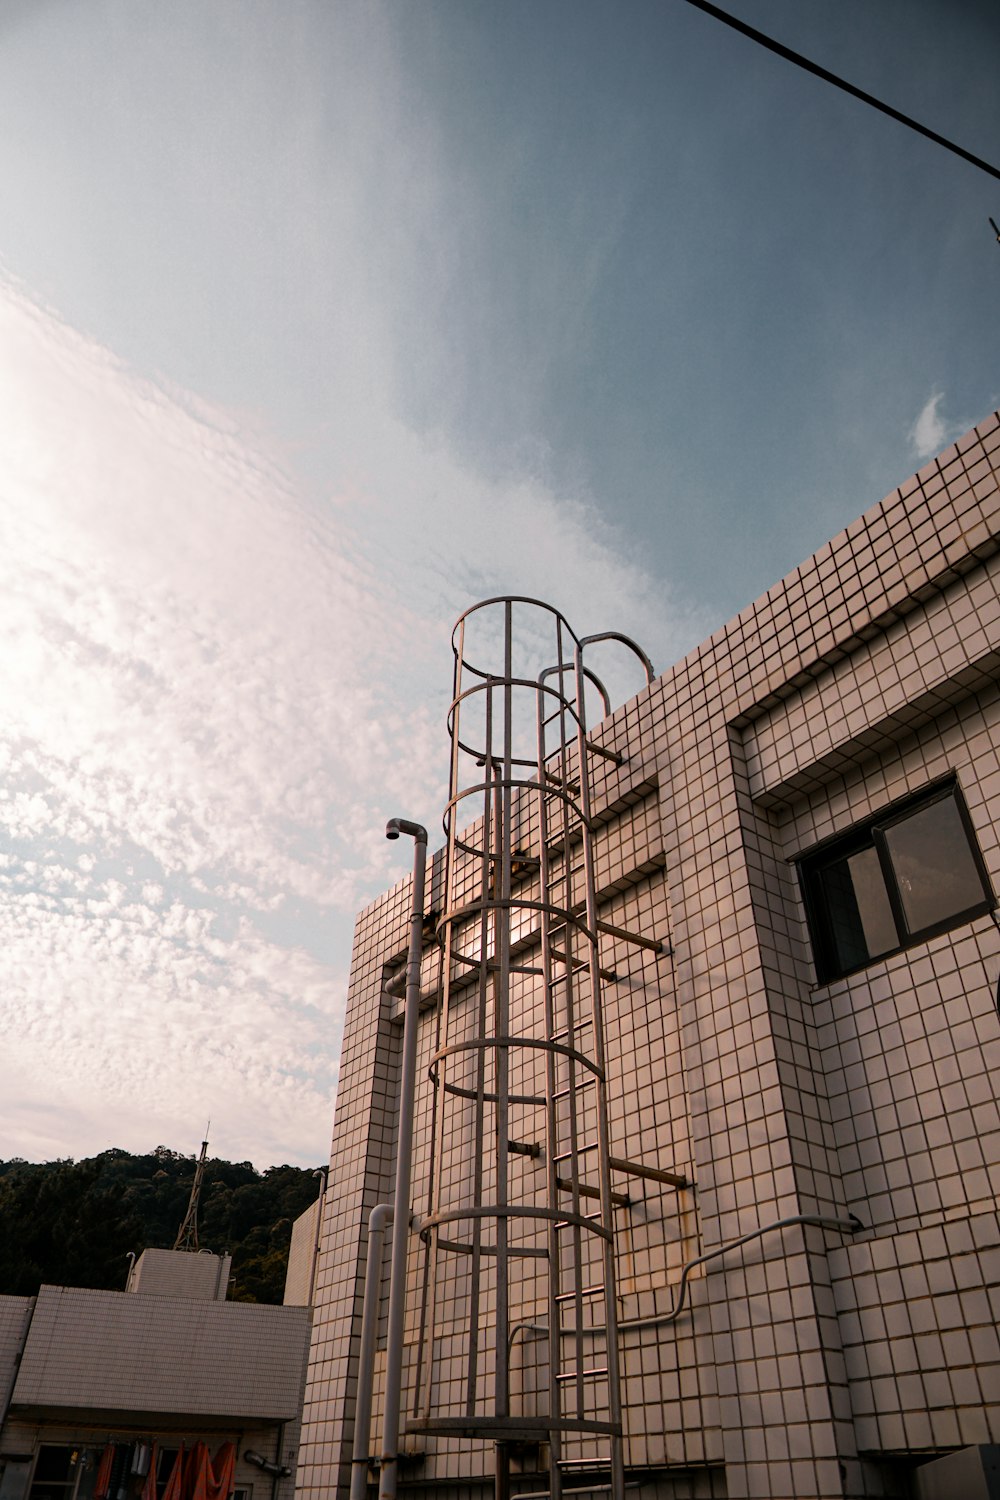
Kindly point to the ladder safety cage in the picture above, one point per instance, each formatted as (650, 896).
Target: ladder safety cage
(518, 1233)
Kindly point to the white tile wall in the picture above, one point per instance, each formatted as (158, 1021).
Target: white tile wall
(809, 1363)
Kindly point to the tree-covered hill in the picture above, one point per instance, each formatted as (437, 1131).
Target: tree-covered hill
(74, 1223)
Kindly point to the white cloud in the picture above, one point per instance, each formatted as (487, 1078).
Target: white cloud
(216, 690)
(930, 432)
(189, 661)
(188, 664)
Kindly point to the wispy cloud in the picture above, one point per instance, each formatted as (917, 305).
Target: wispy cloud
(930, 432)
(216, 690)
(193, 767)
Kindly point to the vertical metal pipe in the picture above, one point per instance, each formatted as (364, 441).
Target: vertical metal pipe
(324, 1174)
(501, 1473)
(380, 1216)
(487, 894)
(443, 1027)
(279, 1471)
(420, 1394)
(501, 1029)
(551, 1124)
(603, 1132)
(404, 1154)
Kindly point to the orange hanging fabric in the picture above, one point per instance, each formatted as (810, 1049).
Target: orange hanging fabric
(149, 1487)
(196, 1473)
(221, 1473)
(175, 1484)
(103, 1481)
(205, 1480)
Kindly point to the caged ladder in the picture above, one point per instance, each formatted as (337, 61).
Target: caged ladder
(518, 1339)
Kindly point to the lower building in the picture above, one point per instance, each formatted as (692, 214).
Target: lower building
(165, 1391)
(785, 905)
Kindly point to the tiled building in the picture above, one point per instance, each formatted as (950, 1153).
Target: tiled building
(804, 818)
(101, 1391)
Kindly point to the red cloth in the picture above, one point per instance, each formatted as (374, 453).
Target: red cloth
(175, 1483)
(205, 1480)
(222, 1472)
(149, 1487)
(103, 1480)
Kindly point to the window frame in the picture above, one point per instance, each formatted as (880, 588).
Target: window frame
(64, 1489)
(870, 834)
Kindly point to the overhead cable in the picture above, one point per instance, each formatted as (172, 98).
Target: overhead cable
(841, 83)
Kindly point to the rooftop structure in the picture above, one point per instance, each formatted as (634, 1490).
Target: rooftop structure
(128, 1395)
(724, 1222)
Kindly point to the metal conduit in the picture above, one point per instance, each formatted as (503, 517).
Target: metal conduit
(378, 1220)
(404, 1157)
(841, 1226)
(851, 1225)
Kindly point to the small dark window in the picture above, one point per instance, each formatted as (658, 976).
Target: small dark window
(911, 872)
(55, 1473)
(165, 1460)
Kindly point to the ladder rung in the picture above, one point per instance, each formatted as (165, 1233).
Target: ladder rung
(565, 1155)
(585, 1083)
(567, 1464)
(586, 1489)
(589, 1374)
(566, 1030)
(584, 1291)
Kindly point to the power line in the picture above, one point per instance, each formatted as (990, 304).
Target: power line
(840, 83)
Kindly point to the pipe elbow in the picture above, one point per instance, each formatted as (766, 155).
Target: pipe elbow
(380, 1216)
(396, 826)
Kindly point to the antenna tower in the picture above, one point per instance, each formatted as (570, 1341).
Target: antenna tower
(187, 1235)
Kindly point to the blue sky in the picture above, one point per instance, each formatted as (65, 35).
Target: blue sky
(321, 321)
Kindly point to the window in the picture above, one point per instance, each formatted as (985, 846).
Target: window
(165, 1460)
(55, 1473)
(913, 871)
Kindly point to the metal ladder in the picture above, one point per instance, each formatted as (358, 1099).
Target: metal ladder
(521, 1208)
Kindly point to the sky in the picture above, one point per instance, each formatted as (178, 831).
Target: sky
(321, 321)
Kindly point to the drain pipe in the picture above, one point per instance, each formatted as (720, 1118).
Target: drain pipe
(378, 1219)
(404, 1153)
(850, 1225)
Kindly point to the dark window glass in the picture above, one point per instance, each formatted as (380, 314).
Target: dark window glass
(54, 1463)
(55, 1473)
(165, 1460)
(936, 872)
(861, 925)
(913, 871)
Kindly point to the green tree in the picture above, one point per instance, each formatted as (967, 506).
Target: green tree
(60, 1225)
(74, 1223)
